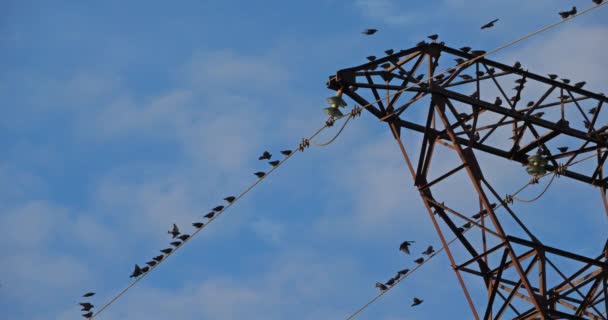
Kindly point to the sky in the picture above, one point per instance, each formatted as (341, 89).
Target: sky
(118, 119)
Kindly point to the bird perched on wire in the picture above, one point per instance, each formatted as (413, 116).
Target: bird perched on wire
(174, 232)
(390, 282)
(88, 294)
(465, 49)
(137, 271)
(265, 156)
(274, 163)
(429, 251)
(158, 258)
(433, 37)
(198, 225)
(371, 58)
(381, 286)
(489, 24)
(419, 260)
(260, 174)
(389, 51)
(403, 272)
(417, 302)
(369, 32)
(176, 243)
(166, 251)
(405, 246)
(286, 152)
(598, 1)
(210, 215)
(552, 76)
(184, 237)
(567, 14)
(151, 263)
(230, 199)
(218, 208)
(579, 85)
(145, 269)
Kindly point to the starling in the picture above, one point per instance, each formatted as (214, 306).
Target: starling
(433, 37)
(420, 44)
(210, 215)
(230, 199)
(593, 110)
(174, 232)
(429, 251)
(465, 77)
(88, 294)
(136, 272)
(166, 251)
(491, 71)
(88, 315)
(465, 49)
(419, 260)
(538, 114)
(145, 269)
(579, 85)
(460, 60)
(478, 52)
(467, 225)
(405, 246)
(381, 286)
(390, 282)
(198, 225)
(260, 174)
(184, 237)
(476, 216)
(598, 1)
(176, 243)
(151, 263)
(530, 104)
(562, 149)
(552, 76)
(86, 306)
(498, 101)
(564, 14)
(274, 163)
(566, 81)
(385, 65)
(371, 58)
(416, 302)
(460, 230)
(218, 208)
(489, 24)
(369, 32)
(520, 81)
(479, 73)
(420, 77)
(403, 272)
(389, 51)
(517, 65)
(265, 156)
(158, 258)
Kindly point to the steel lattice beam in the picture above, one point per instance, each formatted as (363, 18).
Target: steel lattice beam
(522, 276)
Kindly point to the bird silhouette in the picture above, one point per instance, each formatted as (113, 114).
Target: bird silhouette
(465, 49)
(478, 52)
(531, 103)
(433, 37)
(579, 85)
(151, 263)
(145, 269)
(174, 232)
(230, 199)
(428, 251)
(371, 58)
(562, 149)
(405, 246)
(274, 163)
(166, 251)
(419, 260)
(176, 243)
(467, 225)
(460, 230)
(265, 156)
(403, 272)
(136, 272)
(210, 215)
(460, 60)
(88, 294)
(420, 77)
(421, 43)
(593, 110)
(598, 1)
(184, 237)
(369, 32)
(465, 77)
(389, 51)
(86, 306)
(479, 73)
(417, 302)
(381, 286)
(198, 225)
(218, 208)
(158, 258)
(489, 24)
(552, 76)
(260, 174)
(566, 81)
(498, 101)
(517, 65)
(88, 315)
(476, 216)
(564, 14)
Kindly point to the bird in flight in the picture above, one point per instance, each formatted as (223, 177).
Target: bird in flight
(405, 246)
(86, 306)
(489, 24)
(369, 32)
(265, 156)
(88, 294)
(598, 1)
(417, 302)
(174, 232)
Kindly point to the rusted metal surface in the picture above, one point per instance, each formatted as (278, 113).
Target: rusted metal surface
(523, 277)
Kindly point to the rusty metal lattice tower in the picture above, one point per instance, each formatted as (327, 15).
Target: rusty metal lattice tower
(467, 112)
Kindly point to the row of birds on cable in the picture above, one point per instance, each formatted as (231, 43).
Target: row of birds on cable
(87, 306)
(179, 238)
(563, 14)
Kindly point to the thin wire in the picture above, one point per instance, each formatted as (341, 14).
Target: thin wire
(448, 244)
(335, 137)
(540, 195)
(122, 292)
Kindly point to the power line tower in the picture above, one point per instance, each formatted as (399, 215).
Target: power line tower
(470, 109)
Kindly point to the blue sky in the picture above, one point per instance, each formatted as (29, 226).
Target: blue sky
(118, 119)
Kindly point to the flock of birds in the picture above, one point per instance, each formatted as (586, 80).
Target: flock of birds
(178, 238)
